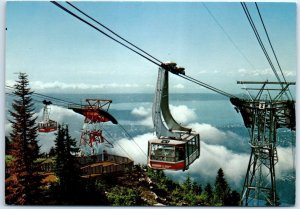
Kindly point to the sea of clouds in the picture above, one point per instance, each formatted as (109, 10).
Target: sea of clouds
(219, 149)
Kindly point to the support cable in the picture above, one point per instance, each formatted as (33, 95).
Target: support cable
(227, 35)
(88, 16)
(133, 50)
(46, 96)
(259, 40)
(96, 28)
(115, 141)
(219, 91)
(132, 139)
(267, 34)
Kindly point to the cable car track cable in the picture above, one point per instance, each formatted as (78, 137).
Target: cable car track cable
(132, 139)
(250, 20)
(115, 141)
(267, 34)
(207, 86)
(46, 96)
(112, 32)
(227, 35)
(96, 28)
(99, 30)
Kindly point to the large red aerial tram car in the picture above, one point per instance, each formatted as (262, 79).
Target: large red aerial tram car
(166, 153)
(175, 147)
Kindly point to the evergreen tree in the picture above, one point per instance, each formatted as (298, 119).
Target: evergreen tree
(67, 169)
(7, 145)
(72, 169)
(233, 199)
(187, 184)
(222, 190)
(196, 188)
(60, 155)
(52, 152)
(123, 196)
(209, 193)
(24, 183)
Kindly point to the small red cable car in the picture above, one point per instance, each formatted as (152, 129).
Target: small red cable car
(47, 125)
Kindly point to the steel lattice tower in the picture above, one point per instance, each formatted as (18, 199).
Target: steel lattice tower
(263, 115)
(95, 111)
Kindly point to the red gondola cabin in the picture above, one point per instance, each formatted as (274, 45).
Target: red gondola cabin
(167, 153)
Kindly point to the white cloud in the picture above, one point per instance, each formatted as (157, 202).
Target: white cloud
(10, 83)
(242, 70)
(137, 149)
(211, 135)
(147, 122)
(145, 114)
(262, 72)
(183, 114)
(213, 157)
(8, 128)
(179, 86)
(202, 72)
(286, 161)
(39, 85)
(141, 111)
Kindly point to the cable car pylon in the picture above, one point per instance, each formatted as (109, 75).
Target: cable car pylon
(175, 147)
(96, 113)
(263, 115)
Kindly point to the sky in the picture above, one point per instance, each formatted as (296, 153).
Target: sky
(213, 41)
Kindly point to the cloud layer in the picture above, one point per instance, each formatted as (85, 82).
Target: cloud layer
(219, 149)
(57, 86)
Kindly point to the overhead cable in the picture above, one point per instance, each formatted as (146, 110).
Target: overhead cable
(154, 62)
(219, 91)
(46, 96)
(267, 34)
(116, 142)
(227, 35)
(260, 41)
(132, 139)
(99, 30)
(113, 32)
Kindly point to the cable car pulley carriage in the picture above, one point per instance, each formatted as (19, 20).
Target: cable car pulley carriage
(175, 147)
(47, 125)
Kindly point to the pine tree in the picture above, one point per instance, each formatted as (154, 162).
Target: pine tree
(187, 184)
(7, 145)
(222, 190)
(196, 188)
(24, 183)
(67, 169)
(209, 193)
(60, 155)
(72, 169)
(52, 152)
(233, 199)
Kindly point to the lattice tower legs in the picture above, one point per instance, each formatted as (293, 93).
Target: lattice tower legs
(260, 186)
